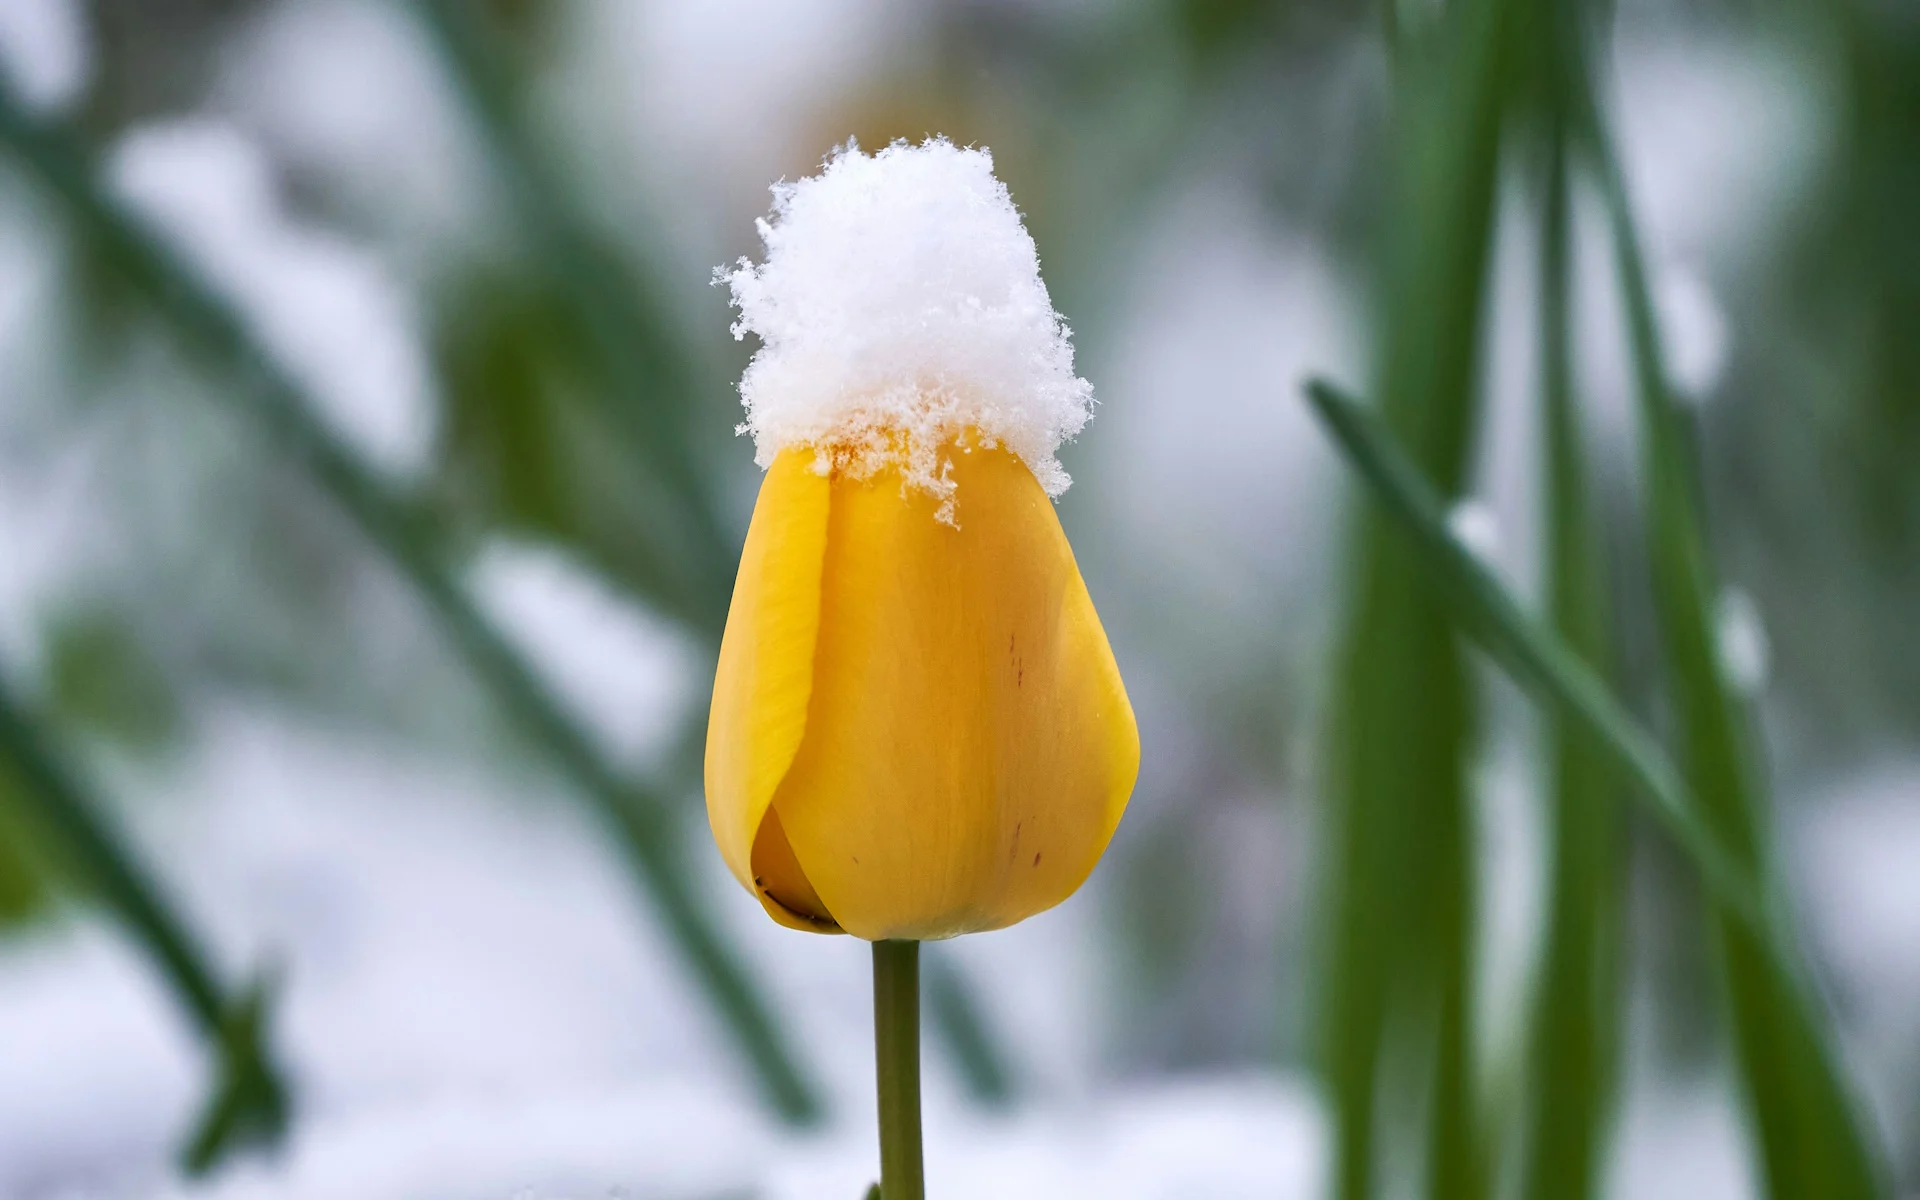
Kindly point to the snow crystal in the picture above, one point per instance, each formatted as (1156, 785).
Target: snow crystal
(1474, 525)
(899, 307)
(1744, 651)
(1694, 332)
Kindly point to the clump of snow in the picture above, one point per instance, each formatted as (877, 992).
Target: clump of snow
(1744, 651)
(899, 307)
(1475, 525)
(1695, 331)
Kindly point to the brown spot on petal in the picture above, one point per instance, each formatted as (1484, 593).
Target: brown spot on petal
(1036, 857)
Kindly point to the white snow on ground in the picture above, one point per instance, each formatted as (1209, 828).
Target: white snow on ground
(1222, 1138)
(96, 1061)
(477, 1005)
(673, 1140)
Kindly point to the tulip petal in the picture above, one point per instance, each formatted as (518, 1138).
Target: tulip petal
(764, 679)
(968, 745)
(782, 884)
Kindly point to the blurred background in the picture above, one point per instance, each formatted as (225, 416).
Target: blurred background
(367, 520)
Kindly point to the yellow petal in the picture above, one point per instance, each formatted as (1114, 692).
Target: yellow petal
(782, 885)
(968, 746)
(765, 675)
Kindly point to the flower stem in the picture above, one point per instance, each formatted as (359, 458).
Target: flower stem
(896, 1050)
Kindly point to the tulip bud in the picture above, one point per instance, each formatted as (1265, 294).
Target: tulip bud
(918, 728)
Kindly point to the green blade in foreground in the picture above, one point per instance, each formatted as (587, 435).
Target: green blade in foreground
(653, 383)
(1812, 1138)
(1538, 660)
(1396, 997)
(1576, 1011)
(1818, 1094)
(639, 816)
(249, 1103)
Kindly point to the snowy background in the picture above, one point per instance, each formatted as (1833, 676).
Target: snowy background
(476, 1001)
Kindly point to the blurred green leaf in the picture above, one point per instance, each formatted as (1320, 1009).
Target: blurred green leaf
(26, 878)
(248, 1104)
(646, 825)
(955, 1012)
(527, 449)
(1811, 1137)
(1532, 654)
(1577, 1011)
(646, 385)
(1868, 264)
(99, 858)
(1401, 876)
(102, 678)
(1821, 1126)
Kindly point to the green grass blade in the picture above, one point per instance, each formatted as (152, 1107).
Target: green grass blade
(653, 385)
(1812, 1139)
(639, 815)
(1820, 1103)
(26, 878)
(1577, 1010)
(1399, 910)
(1536, 658)
(251, 1095)
(955, 1012)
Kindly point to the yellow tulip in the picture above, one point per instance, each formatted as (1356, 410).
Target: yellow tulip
(918, 728)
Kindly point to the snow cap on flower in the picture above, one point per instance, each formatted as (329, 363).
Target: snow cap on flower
(900, 305)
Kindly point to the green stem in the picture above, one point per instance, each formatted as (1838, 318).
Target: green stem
(1813, 1136)
(896, 1052)
(1576, 1014)
(1536, 658)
